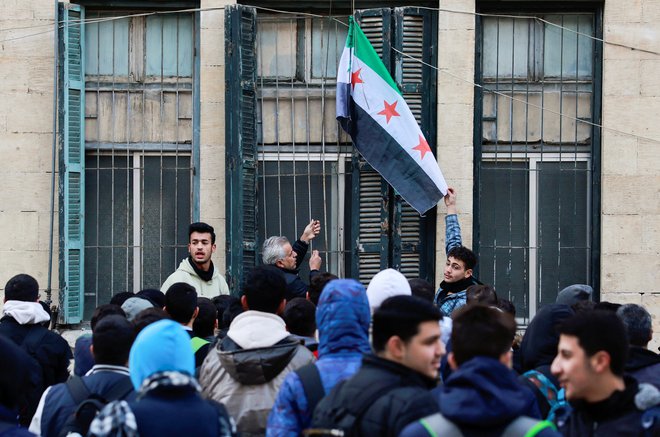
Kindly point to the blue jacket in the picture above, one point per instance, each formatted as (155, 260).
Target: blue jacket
(482, 397)
(59, 404)
(342, 318)
(447, 303)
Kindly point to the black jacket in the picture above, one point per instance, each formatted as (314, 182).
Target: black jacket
(618, 415)
(408, 398)
(644, 365)
(295, 286)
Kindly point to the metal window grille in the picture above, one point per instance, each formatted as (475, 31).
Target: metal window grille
(535, 168)
(139, 145)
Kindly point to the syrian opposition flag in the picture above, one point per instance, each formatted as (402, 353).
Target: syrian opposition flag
(371, 109)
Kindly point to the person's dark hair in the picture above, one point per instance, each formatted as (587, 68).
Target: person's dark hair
(104, 310)
(22, 287)
(607, 306)
(112, 340)
(181, 302)
(507, 306)
(221, 303)
(480, 330)
(317, 285)
(300, 317)
(599, 330)
(483, 294)
(583, 306)
(422, 289)
(637, 322)
(156, 297)
(147, 317)
(464, 254)
(202, 228)
(120, 298)
(234, 309)
(264, 289)
(204, 324)
(401, 316)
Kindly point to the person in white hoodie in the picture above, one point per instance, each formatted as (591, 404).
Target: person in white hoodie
(21, 322)
(245, 370)
(198, 269)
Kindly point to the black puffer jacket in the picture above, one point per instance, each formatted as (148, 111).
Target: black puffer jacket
(407, 399)
(618, 415)
(644, 365)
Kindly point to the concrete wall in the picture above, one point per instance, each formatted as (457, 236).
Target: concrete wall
(630, 243)
(26, 113)
(630, 251)
(212, 123)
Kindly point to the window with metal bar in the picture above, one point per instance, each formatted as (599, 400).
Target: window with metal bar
(535, 156)
(139, 144)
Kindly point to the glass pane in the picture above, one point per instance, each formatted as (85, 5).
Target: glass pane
(328, 40)
(169, 45)
(503, 223)
(563, 232)
(166, 214)
(287, 203)
(567, 53)
(106, 47)
(505, 47)
(277, 47)
(108, 229)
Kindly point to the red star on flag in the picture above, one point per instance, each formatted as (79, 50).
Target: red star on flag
(423, 146)
(355, 77)
(390, 110)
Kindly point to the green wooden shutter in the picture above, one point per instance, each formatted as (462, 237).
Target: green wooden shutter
(371, 227)
(241, 142)
(416, 35)
(71, 112)
(388, 232)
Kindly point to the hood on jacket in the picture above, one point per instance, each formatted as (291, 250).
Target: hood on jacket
(574, 293)
(254, 329)
(639, 358)
(25, 313)
(257, 365)
(384, 284)
(343, 317)
(484, 392)
(185, 266)
(161, 346)
(539, 344)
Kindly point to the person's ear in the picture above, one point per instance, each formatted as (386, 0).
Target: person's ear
(507, 359)
(307, 297)
(213, 247)
(195, 313)
(280, 308)
(91, 350)
(600, 361)
(451, 360)
(244, 303)
(395, 347)
(468, 273)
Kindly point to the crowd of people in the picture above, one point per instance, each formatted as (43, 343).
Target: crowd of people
(397, 358)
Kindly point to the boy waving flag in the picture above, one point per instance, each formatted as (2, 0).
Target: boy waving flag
(372, 110)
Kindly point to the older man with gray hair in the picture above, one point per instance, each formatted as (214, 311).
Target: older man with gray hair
(279, 252)
(642, 363)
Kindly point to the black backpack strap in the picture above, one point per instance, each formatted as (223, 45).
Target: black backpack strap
(120, 390)
(78, 390)
(310, 378)
(33, 338)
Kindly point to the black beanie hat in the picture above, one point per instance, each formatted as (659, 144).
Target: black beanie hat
(22, 287)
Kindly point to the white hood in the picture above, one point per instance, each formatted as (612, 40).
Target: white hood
(253, 329)
(25, 313)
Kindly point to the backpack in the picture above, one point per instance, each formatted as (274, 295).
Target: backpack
(545, 391)
(89, 404)
(30, 397)
(310, 378)
(333, 416)
(439, 425)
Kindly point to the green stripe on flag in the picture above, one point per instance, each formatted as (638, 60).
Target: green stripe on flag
(364, 51)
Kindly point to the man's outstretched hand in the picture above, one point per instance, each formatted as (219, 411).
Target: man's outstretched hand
(315, 261)
(450, 200)
(311, 231)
